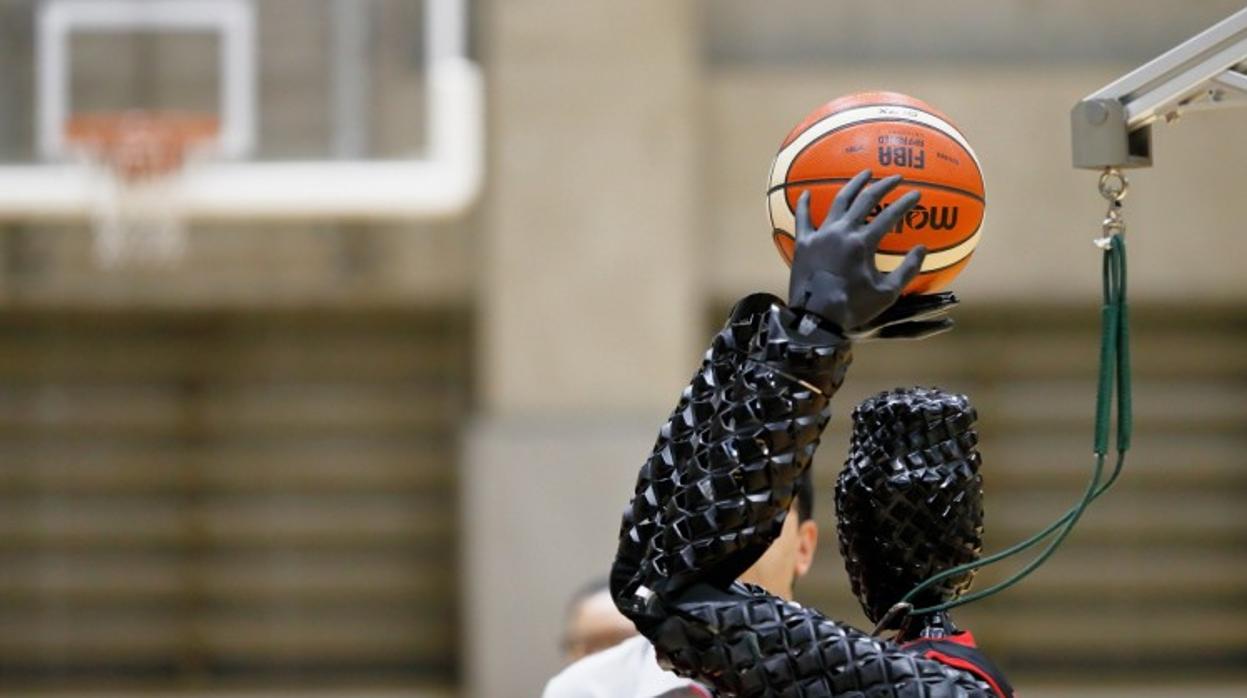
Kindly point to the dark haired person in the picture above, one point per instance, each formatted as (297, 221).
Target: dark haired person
(719, 483)
(592, 623)
(630, 668)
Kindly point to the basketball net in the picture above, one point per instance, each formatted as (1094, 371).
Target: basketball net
(137, 161)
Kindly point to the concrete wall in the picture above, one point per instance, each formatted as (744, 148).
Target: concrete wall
(589, 302)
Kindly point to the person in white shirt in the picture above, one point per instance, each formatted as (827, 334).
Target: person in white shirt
(593, 623)
(630, 669)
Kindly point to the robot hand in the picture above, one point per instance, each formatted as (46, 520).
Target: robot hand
(833, 268)
(910, 317)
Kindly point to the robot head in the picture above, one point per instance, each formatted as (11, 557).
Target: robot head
(909, 502)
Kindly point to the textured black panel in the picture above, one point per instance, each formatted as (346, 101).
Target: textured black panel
(909, 502)
(711, 498)
(747, 642)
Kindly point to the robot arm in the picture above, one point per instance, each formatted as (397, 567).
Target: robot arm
(712, 497)
(718, 484)
(747, 642)
(716, 487)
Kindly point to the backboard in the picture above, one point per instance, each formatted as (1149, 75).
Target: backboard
(326, 109)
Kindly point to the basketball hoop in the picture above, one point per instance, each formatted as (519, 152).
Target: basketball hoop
(138, 159)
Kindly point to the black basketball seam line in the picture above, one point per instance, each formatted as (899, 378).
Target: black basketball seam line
(780, 231)
(881, 118)
(834, 180)
(933, 249)
(837, 129)
(974, 232)
(924, 272)
(880, 104)
(775, 233)
(932, 271)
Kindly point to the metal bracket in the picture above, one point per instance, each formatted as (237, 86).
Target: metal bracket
(1112, 126)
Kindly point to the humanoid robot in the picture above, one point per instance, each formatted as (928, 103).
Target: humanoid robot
(718, 484)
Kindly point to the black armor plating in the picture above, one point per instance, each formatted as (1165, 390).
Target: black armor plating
(712, 497)
(909, 501)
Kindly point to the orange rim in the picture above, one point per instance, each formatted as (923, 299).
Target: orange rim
(138, 144)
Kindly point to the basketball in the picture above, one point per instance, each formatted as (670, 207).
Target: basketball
(888, 133)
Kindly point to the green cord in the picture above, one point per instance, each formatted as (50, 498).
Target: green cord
(1125, 409)
(1114, 367)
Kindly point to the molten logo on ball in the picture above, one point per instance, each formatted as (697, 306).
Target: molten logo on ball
(919, 217)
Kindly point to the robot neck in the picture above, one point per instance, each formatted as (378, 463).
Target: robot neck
(931, 626)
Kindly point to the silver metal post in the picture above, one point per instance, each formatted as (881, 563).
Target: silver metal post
(350, 89)
(1112, 126)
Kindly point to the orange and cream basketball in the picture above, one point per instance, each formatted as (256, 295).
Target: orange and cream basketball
(887, 133)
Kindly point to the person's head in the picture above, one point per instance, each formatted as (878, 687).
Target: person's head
(909, 502)
(593, 623)
(792, 553)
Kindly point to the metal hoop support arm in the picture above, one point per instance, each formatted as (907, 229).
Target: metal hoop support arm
(1112, 126)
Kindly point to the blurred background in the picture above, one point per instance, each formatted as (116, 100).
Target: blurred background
(349, 456)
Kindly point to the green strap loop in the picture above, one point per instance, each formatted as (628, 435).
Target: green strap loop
(1125, 410)
(1114, 369)
(1104, 393)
